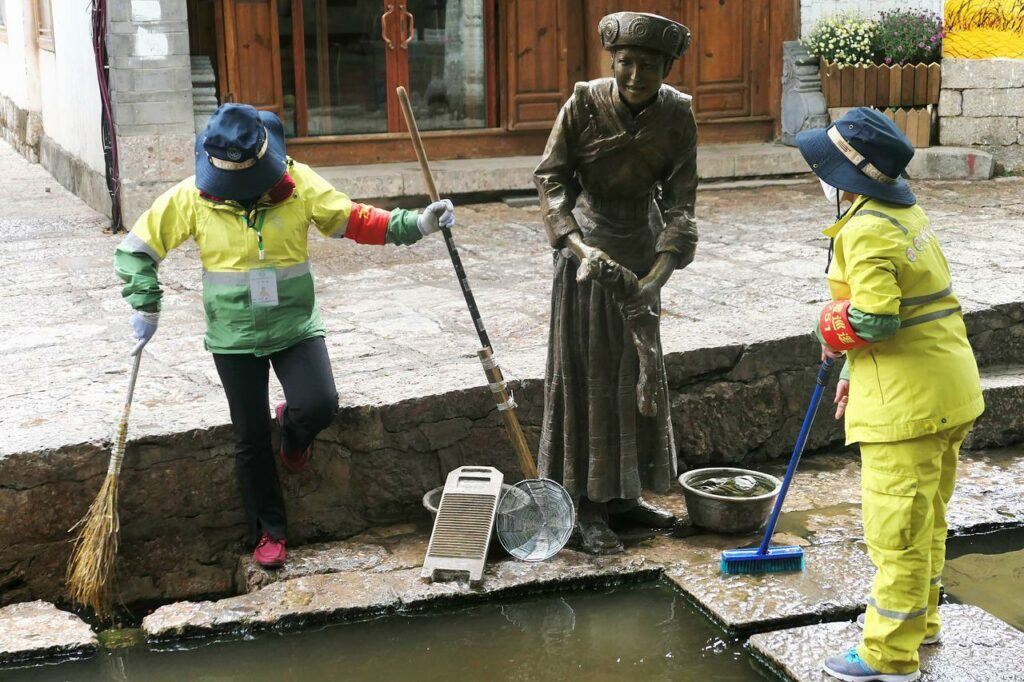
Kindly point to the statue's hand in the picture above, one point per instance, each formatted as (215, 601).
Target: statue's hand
(643, 301)
(596, 265)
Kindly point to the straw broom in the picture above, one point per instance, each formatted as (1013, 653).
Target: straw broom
(91, 568)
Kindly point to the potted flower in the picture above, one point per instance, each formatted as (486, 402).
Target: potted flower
(891, 61)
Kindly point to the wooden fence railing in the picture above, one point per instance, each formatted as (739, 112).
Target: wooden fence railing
(879, 85)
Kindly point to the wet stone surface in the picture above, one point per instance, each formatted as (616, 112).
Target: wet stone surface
(378, 570)
(39, 630)
(976, 647)
(357, 594)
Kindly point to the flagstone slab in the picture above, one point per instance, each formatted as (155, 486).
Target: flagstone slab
(976, 647)
(39, 630)
(834, 584)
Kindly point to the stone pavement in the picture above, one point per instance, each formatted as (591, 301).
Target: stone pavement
(976, 647)
(397, 326)
(739, 360)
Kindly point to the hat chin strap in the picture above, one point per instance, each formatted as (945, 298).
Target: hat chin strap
(224, 164)
(856, 158)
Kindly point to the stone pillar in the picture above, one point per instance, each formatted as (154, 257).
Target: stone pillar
(151, 92)
(803, 103)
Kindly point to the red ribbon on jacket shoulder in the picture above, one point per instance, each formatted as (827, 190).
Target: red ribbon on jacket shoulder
(836, 329)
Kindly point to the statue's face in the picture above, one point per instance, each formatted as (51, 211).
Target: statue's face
(639, 73)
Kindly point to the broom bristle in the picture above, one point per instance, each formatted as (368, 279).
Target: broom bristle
(91, 568)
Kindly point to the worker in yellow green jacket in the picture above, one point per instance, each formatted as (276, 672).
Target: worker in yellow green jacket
(249, 208)
(910, 390)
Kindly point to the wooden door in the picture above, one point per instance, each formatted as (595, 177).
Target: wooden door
(536, 46)
(729, 68)
(248, 43)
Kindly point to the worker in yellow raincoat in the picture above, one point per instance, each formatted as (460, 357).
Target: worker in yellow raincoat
(910, 389)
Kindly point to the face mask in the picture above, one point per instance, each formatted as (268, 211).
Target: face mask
(831, 193)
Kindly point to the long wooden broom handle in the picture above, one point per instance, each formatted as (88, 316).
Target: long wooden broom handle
(495, 379)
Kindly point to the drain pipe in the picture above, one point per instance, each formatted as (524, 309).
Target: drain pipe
(110, 159)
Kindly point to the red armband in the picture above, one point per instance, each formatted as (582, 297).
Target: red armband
(367, 224)
(836, 329)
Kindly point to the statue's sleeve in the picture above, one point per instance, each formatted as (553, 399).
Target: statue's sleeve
(678, 195)
(555, 176)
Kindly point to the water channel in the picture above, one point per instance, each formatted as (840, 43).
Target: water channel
(645, 632)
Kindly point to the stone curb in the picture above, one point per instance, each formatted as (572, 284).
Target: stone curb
(403, 181)
(38, 630)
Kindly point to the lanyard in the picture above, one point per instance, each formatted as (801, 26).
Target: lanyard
(258, 226)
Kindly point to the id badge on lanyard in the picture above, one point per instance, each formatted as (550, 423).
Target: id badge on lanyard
(262, 280)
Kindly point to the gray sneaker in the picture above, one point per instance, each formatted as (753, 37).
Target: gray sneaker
(851, 668)
(934, 639)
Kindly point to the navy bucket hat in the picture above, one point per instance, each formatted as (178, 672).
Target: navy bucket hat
(241, 153)
(864, 153)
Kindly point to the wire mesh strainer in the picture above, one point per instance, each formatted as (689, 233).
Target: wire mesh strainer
(534, 519)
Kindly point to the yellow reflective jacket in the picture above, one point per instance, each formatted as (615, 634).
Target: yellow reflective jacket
(888, 261)
(233, 243)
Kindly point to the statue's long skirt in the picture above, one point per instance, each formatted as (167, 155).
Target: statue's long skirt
(593, 439)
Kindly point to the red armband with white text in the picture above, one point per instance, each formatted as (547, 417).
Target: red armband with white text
(367, 224)
(836, 329)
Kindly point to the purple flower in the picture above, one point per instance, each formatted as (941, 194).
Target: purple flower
(921, 45)
(888, 60)
(934, 38)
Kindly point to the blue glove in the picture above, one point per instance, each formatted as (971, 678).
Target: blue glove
(435, 216)
(143, 328)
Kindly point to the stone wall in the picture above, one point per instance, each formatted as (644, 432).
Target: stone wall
(982, 105)
(20, 128)
(151, 89)
(182, 524)
(813, 10)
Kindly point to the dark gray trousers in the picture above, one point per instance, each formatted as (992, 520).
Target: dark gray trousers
(304, 371)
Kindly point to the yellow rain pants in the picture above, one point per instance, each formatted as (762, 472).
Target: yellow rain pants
(906, 486)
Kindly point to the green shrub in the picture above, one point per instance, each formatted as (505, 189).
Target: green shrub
(906, 36)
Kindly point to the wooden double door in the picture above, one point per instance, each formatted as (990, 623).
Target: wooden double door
(330, 67)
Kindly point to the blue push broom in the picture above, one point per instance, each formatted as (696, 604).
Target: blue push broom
(767, 559)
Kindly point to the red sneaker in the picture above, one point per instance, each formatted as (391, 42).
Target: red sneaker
(296, 460)
(270, 553)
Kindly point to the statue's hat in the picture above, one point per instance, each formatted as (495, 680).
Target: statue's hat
(639, 29)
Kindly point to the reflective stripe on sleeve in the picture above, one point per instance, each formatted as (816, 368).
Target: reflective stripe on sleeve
(937, 315)
(879, 214)
(133, 243)
(242, 278)
(927, 298)
(896, 615)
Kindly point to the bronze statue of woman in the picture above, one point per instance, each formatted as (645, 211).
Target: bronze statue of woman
(617, 185)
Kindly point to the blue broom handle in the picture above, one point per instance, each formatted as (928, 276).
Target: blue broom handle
(798, 449)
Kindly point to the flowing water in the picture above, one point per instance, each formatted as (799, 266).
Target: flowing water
(988, 571)
(644, 632)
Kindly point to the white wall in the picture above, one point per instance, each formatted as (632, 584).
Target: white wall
(70, 92)
(812, 10)
(15, 71)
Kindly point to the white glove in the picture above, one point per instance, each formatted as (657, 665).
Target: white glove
(143, 327)
(435, 216)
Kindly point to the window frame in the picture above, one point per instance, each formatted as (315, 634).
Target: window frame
(44, 34)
